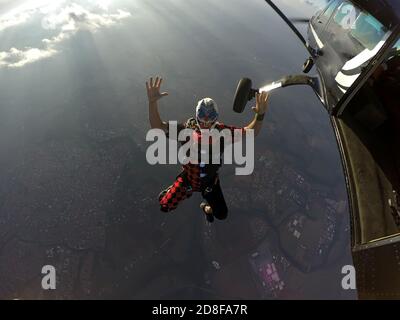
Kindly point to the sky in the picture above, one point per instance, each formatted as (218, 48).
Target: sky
(60, 20)
(64, 19)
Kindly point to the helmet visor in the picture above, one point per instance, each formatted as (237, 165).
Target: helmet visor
(206, 118)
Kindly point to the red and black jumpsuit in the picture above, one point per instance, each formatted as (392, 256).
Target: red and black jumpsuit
(198, 178)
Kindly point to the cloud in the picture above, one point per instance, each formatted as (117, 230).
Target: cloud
(24, 12)
(15, 58)
(75, 17)
(14, 20)
(66, 19)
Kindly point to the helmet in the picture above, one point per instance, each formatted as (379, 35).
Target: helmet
(206, 112)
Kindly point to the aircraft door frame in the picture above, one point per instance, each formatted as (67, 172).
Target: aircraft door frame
(319, 23)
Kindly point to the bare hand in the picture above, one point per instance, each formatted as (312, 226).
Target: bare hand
(153, 90)
(261, 103)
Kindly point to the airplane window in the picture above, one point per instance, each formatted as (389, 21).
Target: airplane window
(328, 12)
(346, 15)
(368, 31)
(353, 38)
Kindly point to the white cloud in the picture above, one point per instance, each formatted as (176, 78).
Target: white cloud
(66, 19)
(14, 20)
(15, 58)
(75, 17)
(102, 4)
(22, 13)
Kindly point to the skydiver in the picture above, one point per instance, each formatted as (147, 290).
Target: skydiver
(199, 177)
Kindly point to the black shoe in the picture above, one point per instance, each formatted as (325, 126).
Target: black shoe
(209, 217)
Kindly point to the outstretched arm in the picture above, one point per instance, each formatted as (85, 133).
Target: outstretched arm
(260, 109)
(153, 93)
